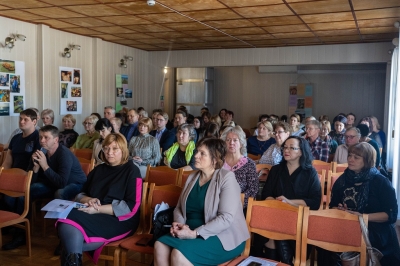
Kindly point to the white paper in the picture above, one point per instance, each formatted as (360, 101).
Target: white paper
(160, 207)
(58, 205)
(255, 259)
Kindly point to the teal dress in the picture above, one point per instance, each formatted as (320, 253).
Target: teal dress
(199, 251)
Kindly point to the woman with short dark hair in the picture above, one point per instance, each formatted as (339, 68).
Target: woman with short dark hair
(104, 127)
(364, 131)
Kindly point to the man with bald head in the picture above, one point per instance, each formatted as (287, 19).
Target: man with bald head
(131, 129)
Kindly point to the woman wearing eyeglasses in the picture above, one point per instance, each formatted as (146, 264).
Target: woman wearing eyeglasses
(86, 140)
(111, 199)
(295, 182)
(273, 154)
(352, 136)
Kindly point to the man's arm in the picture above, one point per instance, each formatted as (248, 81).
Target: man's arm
(7, 163)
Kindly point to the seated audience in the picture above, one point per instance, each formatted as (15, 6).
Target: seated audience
(112, 195)
(211, 131)
(199, 126)
(131, 128)
(362, 189)
(181, 153)
(319, 148)
(68, 136)
(376, 130)
(368, 121)
(295, 125)
(261, 118)
(144, 149)
(235, 160)
(259, 144)
(337, 134)
(143, 114)
(96, 115)
(351, 120)
(205, 233)
(206, 116)
(364, 131)
(322, 118)
(352, 137)
(222, 114)
(86, 140)
(294, 181)
(229, 115)
(273, 155)
(164, 136)
(109, 112)
(116, 124)
(216, 119)
(47, 116)
(180, 118)
(324, 135)
(104, 127)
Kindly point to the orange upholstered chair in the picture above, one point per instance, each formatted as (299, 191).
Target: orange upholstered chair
(333, 230)
(254, 157)
(275, 220)
(332, 177)
(87, 165)
(169, 194)
(82, 153)
(322, 180)
(183, 177)
(15, 182)
(339, 167)
(162, 175)
(319, 165)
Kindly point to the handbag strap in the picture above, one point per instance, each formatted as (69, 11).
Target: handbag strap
(364, 230)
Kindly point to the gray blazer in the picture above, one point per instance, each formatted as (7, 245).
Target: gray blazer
(222, 208)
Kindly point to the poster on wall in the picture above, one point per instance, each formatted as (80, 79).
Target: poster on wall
(123, 94)
(70, 90)
(300, 99)
(12, 87)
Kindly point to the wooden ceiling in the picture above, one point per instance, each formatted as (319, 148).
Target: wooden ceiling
(214, 24)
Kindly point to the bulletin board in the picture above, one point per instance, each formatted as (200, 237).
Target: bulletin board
(12, 87)
(123, 94)
(301, 99)
(70, 90)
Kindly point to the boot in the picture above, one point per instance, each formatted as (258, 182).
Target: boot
(71, 259)
(271, 254)
(285, 251)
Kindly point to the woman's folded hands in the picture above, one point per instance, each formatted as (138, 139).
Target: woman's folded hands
(182, 231)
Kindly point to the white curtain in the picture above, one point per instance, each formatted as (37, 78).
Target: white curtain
(393, 136)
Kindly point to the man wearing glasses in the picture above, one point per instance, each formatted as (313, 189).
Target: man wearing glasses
(319, 148)
(161, 133)
(352, 136)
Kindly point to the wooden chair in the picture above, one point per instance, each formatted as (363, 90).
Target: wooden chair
(333, 230)
(169, 194)
(183, 177)
(254, 157)
(322, 180)
(87, 165)
(332, 177)
(319, 165)
(275, 220)
(247, 132)
(339, 167)
(162, 175)
(82, 153)
(3, 157)
(260, 167)
(15, 182)
(115, 257)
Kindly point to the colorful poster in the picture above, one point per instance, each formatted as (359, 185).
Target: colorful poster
(308, 102)
(12, 87)
(70, 90)
(124, 95)
(292, 100)
(300, 99)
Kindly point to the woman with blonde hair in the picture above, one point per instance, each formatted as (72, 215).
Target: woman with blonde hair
(86, 140)
(259, 144)
(47, 116)
(68, 136)
(295, 125)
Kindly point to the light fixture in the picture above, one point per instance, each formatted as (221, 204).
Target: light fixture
(126, 57)
(395, 42)
(165, 70)
(9, 42)
(122, 63)
(397, 24)
(67, 50)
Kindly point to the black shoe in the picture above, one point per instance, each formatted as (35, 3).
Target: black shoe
(58, 250)
(16, 242)
(71, 259)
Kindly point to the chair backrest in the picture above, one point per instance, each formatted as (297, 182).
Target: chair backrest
(333, 230)
(322, 180)
(260, 167)
(339, 167)
(253, 156)
(82, 153)
(247, 132)
(183, 176)
(331, 179)
(143, 225)
(3, 157)
(87, 165)
(319, 165)
(15, 182)
(166, 193)
(162, 175)
(275, 220)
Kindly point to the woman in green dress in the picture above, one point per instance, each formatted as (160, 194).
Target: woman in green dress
(209, 227)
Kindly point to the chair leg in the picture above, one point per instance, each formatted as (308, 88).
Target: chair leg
(123, 257)
(117, 252)
(28, 237)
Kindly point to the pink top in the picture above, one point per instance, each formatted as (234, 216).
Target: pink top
(242, 161)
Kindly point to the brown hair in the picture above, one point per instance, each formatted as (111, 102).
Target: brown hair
(120, 140)
(147, 122)
(366, 151)
(286, 127)
(217, 150)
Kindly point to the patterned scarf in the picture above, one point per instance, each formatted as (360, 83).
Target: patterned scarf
(356, 196)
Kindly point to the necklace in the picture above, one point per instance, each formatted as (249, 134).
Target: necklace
(263, 144)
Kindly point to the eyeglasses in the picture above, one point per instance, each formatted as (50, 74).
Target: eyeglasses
(108, 149)
(310, 128)
(278, 132)
(290, 148)
(87, 123)
(349, 137)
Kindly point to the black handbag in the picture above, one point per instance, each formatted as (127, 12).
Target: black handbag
(165, 217)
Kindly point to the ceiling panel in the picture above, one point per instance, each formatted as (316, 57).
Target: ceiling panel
(223, 23)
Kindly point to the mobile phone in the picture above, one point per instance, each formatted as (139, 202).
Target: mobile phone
(42, 150)
(143, 241)
(253, 263)
(79, 205)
